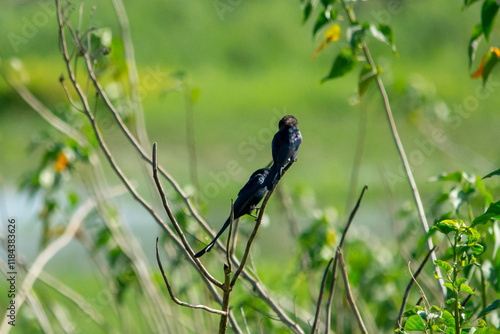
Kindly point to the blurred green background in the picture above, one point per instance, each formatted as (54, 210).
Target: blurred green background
(251, 64)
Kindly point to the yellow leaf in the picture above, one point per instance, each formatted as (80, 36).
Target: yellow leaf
(479, 72)
(318, 50)
(496, 50)
(61, 162)
(333, 33)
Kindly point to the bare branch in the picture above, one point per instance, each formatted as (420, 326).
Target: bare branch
(175, 299)
(350, 298)
(335, 264)
(178, 229)
(320, 297)
(408, 287)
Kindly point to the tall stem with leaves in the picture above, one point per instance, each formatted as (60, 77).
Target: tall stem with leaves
(347, 60)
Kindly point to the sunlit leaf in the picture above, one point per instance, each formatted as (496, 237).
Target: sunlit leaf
(466, 289)
(415, 323)
(443, 264)
(344, 63)
(446, 226)
(477, 32)
(488, 14)
(477, 249)
(449, 286)
(448, 318)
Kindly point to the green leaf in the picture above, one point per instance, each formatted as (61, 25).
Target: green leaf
(477, 32)
(473, 235)
(412, 311)
(467, 289)
(488, 197)
(366, 77)
(326, 15)
(320, 21)
(493, 212)
(446, 226)
(497, 172)
(449, 286)
(384, 34)
(488, 13)
(477, 249)
(306, 12)
(492, 307)
(456, 177)
(448, 318)
(345, 62)
(355, 34)
(443, 264)
(491, 58)
(415, 323)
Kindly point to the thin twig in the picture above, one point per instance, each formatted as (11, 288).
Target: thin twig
(350, 297)
(408, 287)
(320, 297)
(178, 229)
(335, 264)
(174, 298)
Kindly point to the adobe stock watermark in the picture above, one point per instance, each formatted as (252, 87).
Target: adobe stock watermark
(222, 7)
(31, 25)
(248, 150)
(152, 80)
(427, 146)
(394, 7)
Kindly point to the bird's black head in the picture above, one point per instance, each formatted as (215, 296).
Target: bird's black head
(288, 121)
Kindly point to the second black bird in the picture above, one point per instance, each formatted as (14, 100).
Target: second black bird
(246, 202)
(285, 146)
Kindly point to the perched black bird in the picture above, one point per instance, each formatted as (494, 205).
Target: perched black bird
(285, 145)
(246, 202)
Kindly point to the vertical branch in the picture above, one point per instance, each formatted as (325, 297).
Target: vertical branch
(350, 297)
(320, 298)
(335, 264)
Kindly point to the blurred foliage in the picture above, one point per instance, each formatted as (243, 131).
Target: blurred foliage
(375, 261)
